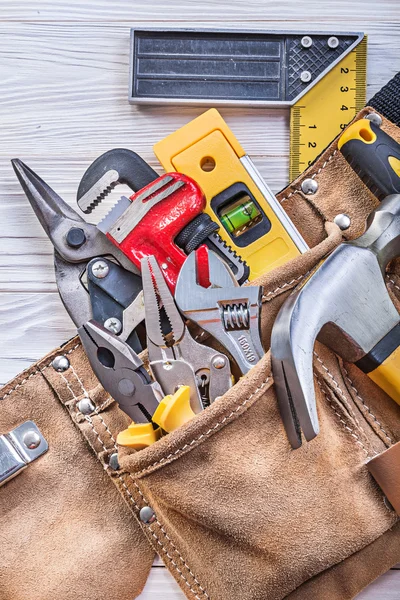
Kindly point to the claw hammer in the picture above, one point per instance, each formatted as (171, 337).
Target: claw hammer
(345, 302)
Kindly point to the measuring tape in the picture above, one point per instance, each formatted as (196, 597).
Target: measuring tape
(319, 116)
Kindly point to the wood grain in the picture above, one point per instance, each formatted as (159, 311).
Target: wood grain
(63, 101)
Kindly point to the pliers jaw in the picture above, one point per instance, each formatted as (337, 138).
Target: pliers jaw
(121, 372)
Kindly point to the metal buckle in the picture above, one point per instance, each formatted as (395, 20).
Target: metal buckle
(18, 448)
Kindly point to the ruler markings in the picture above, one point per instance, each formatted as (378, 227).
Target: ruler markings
(327, 108)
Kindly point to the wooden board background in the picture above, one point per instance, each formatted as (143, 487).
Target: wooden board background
(63, 101)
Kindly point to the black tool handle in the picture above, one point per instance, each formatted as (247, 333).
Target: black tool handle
(374, 156)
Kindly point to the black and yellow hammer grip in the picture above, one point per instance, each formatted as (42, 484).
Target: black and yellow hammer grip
(373, 155)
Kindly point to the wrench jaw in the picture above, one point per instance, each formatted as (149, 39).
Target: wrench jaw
(112, 168)
(221, 307)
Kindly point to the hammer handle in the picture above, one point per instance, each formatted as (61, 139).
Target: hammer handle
(382, 363)
(373, 155)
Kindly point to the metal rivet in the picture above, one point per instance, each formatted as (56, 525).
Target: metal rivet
(76, 237)
(147, 515)
(219, 362)
(375, 119)
(342, 221)
(126, 387)
(305, 76)
(113, 461)
(100, 269)
(31, 439)
(113, 324)
(85, 406)
(306, 41)
(309, 186)
(60, 363)
(164, 266)
(333, 42)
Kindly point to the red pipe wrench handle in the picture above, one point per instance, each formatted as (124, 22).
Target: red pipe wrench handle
(158, 212)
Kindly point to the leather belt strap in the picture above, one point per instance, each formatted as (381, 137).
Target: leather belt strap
(385, 468)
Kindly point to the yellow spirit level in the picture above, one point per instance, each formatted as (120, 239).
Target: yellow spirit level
(252, 221)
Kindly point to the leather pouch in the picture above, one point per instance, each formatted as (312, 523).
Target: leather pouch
(237, 513)
(65, 531)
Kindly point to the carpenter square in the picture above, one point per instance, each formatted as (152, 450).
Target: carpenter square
(344, 303)
(320, 76)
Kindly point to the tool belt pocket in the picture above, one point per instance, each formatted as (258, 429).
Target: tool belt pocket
(236, 513)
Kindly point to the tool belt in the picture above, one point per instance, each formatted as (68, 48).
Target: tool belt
(232, 510)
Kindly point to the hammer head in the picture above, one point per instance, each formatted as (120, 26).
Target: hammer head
(346, 294)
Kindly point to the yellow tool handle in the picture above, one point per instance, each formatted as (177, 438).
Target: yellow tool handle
(387, 375)
(373, 155)
(138, 436)
(174, 410)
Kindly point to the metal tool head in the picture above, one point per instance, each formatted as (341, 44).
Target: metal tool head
(75, 242)
(207, 293)
(156, 296)
(120, 371)
(74, 239)
(108, 170)
(171, 359)
(346, 305)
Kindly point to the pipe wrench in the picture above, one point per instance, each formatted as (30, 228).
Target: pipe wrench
(178, 222)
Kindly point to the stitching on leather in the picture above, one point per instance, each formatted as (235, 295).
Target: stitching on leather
(367, 407)
(18, 385)
(127, 491)
(178, 569)
(310, 176)
(209, 431)
(339, 390)
(90, 421)
(64, 354)
(182, 559)
(21, 383)
(281, 288)
(346, 426)
(392, 282)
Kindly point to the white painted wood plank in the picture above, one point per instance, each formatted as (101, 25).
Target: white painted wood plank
(386, 587)
(161, 585)
(348, 13)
